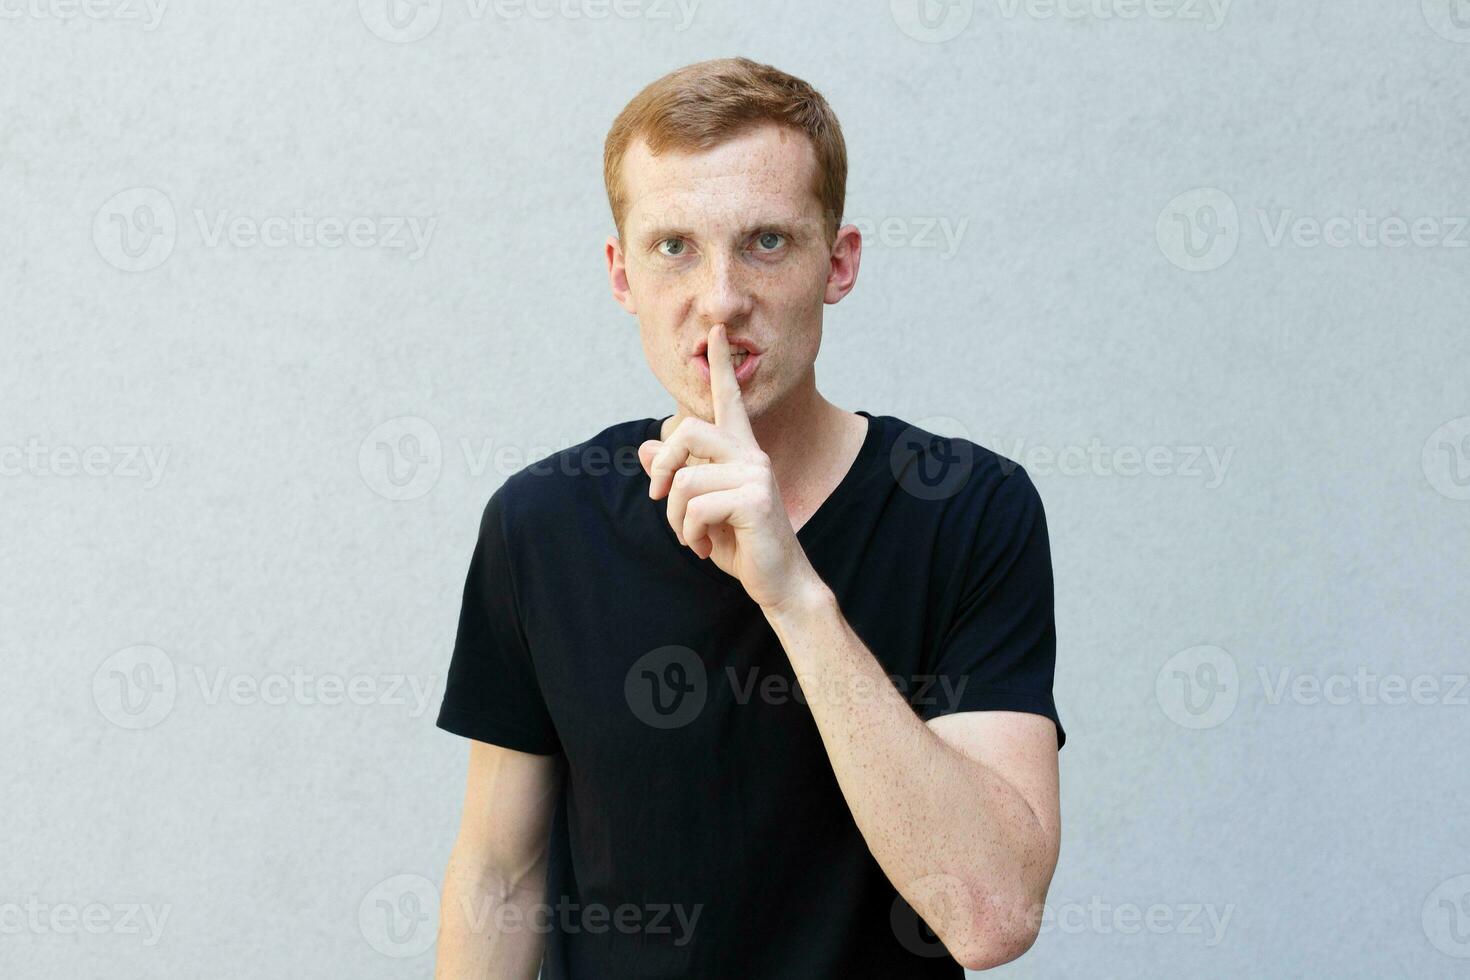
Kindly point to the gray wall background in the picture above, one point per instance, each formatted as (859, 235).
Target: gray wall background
(241, 481)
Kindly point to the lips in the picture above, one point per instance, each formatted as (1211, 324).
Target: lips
(745, 356)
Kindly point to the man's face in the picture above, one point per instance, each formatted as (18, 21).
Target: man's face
(729, 235)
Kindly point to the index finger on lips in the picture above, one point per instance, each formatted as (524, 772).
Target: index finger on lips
(724, 389)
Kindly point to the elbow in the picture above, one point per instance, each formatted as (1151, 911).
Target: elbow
(985, 952)
(1003, 933)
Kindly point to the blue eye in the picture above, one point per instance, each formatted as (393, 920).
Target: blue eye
(671, 241)
(780, 239)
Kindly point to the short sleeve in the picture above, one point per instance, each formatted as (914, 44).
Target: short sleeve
(492, 693)
(998, 651)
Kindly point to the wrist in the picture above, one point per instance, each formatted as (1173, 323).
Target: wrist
(808, 597)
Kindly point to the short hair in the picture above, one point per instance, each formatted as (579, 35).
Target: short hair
(702, 105)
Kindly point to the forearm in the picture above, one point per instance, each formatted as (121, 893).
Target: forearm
(936, 821)
(491, 925)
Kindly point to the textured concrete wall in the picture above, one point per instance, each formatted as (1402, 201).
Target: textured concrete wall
(289, 288)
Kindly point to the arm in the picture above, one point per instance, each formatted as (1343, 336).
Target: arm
(961, 813)
(490, 921)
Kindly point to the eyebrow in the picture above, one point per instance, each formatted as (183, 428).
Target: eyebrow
(658, 233)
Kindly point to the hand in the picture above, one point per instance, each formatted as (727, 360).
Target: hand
(729, 508)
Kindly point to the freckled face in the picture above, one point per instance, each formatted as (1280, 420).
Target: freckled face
(729, 235)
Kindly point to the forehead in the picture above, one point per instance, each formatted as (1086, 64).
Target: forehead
(767, 172)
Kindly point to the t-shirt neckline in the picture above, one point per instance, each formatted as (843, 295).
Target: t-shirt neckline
(813, 524)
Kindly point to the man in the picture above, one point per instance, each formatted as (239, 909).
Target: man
(754, 687)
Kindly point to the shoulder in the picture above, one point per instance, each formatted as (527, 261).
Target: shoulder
(979, 508)
(960, 478)
(558, 485)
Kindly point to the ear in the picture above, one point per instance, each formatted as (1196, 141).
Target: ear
(847, 253)
(617, 274)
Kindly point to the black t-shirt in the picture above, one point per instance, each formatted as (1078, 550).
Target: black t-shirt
(700, 830)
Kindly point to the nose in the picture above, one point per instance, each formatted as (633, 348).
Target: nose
(724, 295)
